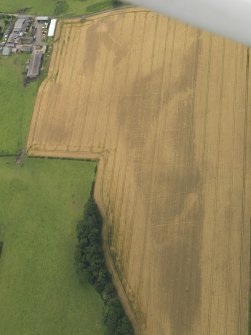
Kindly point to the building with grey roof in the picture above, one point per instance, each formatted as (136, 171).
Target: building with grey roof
(11, 42)
(18, 27)
(42, 19)
(34, 65)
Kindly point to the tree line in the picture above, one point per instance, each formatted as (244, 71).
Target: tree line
(90, 263)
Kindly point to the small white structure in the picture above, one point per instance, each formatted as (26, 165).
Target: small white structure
(6, 51)
(52, 28)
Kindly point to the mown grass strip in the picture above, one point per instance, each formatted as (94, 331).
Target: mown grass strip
(16, 104)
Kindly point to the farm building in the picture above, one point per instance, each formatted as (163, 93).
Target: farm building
(52, 28)
(19, 24)
(6, 51)
(42, 19)
(11, 43)
(24, 48)
(34, 65)
(25, 40)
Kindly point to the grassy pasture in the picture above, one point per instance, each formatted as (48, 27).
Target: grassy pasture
(35, 6)
(40, 206)
(16, 104)
(47, 7)
(40, 293)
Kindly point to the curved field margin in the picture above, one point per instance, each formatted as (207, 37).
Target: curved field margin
(166, 109)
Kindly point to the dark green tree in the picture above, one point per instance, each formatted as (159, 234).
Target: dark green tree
(90, 264)
(117, 3)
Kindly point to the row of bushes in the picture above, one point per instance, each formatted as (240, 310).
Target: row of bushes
(90, 262)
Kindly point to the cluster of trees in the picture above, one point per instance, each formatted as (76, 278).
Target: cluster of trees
(90, 262)
(61, 7)
(5, 20)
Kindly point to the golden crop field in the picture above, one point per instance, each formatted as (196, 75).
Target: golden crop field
(167, 111)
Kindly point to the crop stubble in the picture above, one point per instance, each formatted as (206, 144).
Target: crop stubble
(166, 109)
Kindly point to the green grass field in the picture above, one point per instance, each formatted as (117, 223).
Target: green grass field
(35, 6)
(47, 7)
(41, 203)
(40, 293)
(16, 104)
